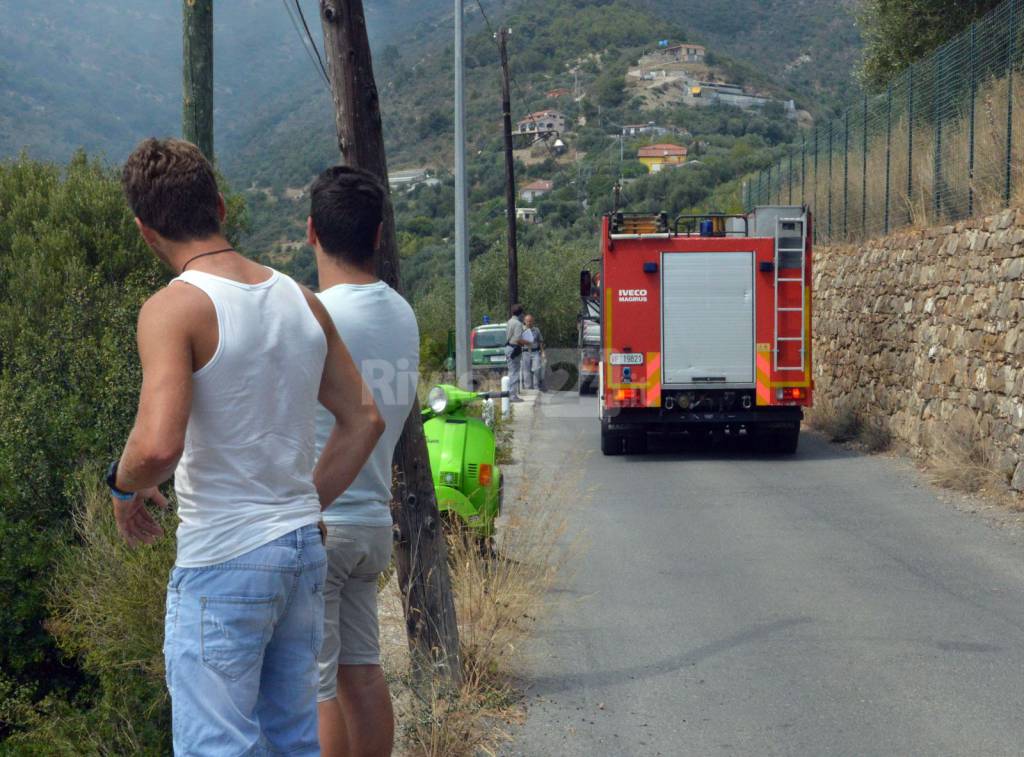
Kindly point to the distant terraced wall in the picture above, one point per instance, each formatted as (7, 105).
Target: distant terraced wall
(922, 331)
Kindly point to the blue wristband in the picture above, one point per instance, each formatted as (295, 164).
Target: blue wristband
(111, 480)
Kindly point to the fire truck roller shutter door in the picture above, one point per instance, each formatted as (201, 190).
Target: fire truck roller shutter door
(708, 319)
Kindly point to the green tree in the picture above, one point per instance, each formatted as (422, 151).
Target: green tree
(900, 32)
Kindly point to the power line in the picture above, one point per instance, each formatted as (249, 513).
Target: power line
(306, 40)
(312, 43)
(512, 76)
(486, 20)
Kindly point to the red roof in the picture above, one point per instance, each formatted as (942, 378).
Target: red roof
(661, 151)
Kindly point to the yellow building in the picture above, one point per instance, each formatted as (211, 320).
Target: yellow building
(657, 157)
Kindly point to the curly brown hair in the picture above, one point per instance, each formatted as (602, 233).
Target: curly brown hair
(171, 188)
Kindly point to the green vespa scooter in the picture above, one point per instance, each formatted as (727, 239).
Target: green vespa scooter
(466, 479)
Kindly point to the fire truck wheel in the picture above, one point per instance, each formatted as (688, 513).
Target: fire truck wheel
(611, 443)
(783, 442)
(789, 441)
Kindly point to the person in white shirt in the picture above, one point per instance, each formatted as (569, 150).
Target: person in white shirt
(235, 357)
(533, 355)
(379, 329)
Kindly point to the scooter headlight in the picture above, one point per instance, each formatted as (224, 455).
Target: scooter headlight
(437, 400)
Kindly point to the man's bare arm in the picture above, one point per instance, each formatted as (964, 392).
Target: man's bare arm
(158, 436)
(357, 422)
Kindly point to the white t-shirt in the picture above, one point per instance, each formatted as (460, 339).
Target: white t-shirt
(379, 329)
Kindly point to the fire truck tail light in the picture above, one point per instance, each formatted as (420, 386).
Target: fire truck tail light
(791, 393)
(624, 396)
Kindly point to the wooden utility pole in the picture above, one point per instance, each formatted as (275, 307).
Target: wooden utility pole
(421, 552)
(197, 101)
(510, 172)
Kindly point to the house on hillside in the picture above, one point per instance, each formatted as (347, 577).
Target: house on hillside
(541, 122)
(535, 189)
(709, 93)
(410, 178)
(640, 130)
(659, 157)
(683, 53)
(554, 94)
(527, 215)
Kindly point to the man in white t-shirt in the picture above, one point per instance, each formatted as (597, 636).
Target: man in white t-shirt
(379, 329)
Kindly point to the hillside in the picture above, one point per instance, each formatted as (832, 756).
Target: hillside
(567, 56)
(120, 75)
(807, 47)
(101, 74)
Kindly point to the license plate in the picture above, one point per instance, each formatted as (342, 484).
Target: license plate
(627, 358)
(497, 359)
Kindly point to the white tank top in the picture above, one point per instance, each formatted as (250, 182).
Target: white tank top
(246, 474)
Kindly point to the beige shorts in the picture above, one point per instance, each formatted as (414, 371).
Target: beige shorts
(356, 556)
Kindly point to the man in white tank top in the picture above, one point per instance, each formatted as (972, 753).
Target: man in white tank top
(235, 357)
(379, 327)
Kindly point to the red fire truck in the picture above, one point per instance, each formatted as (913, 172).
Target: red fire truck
(705, 327)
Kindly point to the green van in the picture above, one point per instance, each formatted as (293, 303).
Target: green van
(487, 343)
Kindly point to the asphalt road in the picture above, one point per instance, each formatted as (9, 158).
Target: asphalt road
(724, 603)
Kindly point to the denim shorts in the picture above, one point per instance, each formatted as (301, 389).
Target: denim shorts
(241, 641)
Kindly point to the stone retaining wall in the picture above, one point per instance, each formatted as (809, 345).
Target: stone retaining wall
(922, 330)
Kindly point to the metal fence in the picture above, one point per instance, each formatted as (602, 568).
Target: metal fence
(944, 141)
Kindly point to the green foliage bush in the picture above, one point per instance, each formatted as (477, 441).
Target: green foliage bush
(107, 602)
(73, 274)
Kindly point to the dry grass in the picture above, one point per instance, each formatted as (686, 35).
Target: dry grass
(108, 610)
(956, 457)
(497, 599)
(962, 460)
(875, 436)
(914, 205)
(839, 422)
(844, 422)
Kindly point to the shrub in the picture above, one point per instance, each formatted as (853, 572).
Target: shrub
(73, 274)
(839, 422)
(108, 609)
(961, 458)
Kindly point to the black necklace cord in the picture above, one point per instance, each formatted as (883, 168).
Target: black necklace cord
(203, 255)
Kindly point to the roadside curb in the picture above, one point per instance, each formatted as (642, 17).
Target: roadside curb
(524, 414)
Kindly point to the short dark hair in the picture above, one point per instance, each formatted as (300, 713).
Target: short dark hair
(347, 206)
(171, 188)
(517, 309)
